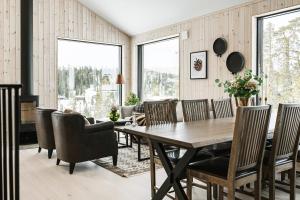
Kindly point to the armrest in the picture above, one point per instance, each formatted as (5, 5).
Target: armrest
(99, 127)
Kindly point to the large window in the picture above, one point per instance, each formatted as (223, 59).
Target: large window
(86, 77)
(159, 69)
(279, 56)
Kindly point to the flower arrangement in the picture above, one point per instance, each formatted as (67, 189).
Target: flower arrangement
(132, 99)
(242, 86)
(114, 115)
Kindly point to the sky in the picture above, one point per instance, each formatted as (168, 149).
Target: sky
(282, 20)
(75, 53)
(162, 56)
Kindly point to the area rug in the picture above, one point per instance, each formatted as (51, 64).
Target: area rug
(128, 164)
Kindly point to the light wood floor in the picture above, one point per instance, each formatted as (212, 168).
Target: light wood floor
(41, 179)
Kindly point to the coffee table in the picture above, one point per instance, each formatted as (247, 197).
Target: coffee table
(130, 135)
(118, 126)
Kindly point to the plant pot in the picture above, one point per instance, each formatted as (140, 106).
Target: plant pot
(243, 101)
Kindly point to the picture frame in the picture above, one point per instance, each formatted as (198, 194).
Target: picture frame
(198, 65)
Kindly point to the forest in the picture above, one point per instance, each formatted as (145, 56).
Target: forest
(281, 62)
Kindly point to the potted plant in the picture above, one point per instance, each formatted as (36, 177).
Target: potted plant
(114, 115)
(132, 100)
(242, 87)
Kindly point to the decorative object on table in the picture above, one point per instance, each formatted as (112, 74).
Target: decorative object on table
(132, 100)
(220, 46)
(235, 62)
(114, 115)
(198, 65)
(242, 87)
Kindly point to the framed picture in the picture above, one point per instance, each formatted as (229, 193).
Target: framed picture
(198, 65)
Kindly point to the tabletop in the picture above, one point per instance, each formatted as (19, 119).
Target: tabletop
(191, 134)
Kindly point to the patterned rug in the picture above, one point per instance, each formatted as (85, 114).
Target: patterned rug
(128, 164)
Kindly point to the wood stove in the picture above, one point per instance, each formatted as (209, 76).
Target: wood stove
(29, 102)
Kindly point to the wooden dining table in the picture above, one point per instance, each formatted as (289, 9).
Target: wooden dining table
(191, 136)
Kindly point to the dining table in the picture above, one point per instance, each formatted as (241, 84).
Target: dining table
(190, 136)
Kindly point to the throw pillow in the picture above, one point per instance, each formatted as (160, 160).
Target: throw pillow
(70, 111)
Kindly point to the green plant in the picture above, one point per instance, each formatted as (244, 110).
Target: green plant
(114, 115)
(132, 99)
(242, 86)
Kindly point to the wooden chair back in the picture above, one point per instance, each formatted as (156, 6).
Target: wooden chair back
(222, 108)
(287, 133)
(160, 112)
(250, 133)
(194, 110)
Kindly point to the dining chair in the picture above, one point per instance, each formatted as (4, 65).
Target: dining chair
(159, 113)
(282, 155)
(245, 162)
(222, 108)
(194, 110)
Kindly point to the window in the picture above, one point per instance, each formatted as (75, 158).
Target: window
(86, 77)
(279, 56)
(159, 69)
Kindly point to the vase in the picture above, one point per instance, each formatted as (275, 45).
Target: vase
(243, 101)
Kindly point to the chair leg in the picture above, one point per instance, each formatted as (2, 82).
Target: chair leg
(50, 151)
(152, 170)
(272, 186)
(221, 193)
(72, 166)
(215, 191)
(39, 150)
(115, 160)
(231, 193)
(57, 161)
(257, 188)
(292, 175)
(189, 182)
(282, 176)
(208, 191)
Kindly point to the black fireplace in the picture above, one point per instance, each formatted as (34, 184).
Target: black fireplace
(29, 102)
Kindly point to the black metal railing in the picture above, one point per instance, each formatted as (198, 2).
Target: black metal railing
(9, 141)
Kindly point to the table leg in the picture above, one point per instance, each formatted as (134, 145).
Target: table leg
(139, 151)
(130, 137)
(174, 173)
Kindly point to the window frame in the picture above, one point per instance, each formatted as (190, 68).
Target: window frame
(120, 70)
(259, 41)
(140, 63)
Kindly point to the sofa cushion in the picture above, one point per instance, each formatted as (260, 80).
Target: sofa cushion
(126, 111)
(139, 108)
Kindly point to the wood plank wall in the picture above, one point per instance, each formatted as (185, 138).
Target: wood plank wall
(53, 19)
(234, 24)
(9, 41)
(68, 19)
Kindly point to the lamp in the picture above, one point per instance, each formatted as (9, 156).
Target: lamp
(120, 79)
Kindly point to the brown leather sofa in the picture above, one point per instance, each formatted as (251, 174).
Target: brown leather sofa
(44, 130)
(76, 142)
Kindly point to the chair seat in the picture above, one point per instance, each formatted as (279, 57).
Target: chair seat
(217, 167)
(221, 149)
(200, 156)
(278, 162)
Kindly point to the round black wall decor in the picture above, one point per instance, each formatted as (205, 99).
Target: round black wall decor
(220, 46)
(235, 62)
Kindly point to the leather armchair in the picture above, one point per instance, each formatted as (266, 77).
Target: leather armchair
(44, 130)
(76, 142)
